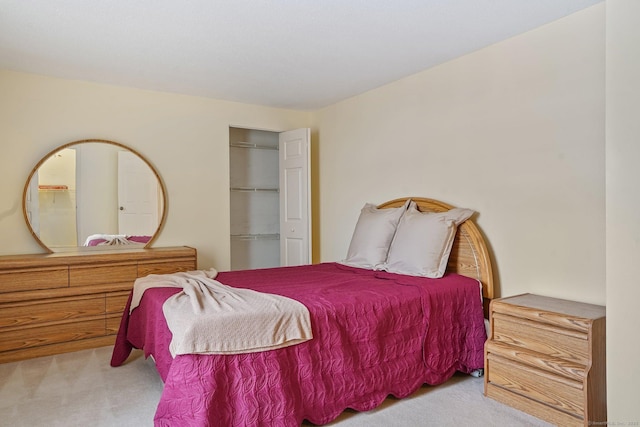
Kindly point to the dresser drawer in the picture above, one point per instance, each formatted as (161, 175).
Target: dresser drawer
(116, 302)
(542, 387)
(43, 311)
(165, 267)
(30, 279)
(113, 323)
(57, 333)
(97, 275)
(550, 340)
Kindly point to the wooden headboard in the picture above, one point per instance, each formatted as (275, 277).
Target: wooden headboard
(469, 255)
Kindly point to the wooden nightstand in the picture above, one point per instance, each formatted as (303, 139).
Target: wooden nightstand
(546, 356)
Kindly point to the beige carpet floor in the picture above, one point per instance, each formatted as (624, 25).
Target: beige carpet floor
(81, 389)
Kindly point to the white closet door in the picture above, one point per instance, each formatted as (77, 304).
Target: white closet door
(295, 197)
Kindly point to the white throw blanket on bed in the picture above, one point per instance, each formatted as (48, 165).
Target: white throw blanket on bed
(208, 317)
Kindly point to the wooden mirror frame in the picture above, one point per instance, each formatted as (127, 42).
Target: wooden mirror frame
(163, 191)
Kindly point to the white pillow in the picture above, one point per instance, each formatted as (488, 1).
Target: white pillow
(372, 236)
(423, 242)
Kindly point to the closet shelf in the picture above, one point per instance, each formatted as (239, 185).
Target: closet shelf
(275, 236)
(241, 144)
(251, 189)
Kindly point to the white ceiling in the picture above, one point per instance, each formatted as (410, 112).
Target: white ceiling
(299, 54)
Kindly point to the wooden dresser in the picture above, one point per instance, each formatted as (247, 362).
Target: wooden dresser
(56, 303)
(546, 357)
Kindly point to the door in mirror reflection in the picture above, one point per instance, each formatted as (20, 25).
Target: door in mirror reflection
(137, 196)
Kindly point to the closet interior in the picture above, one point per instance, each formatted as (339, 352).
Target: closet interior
(254, 198)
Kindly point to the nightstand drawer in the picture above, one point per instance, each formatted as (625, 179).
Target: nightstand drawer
(553, 341)
(538, 386)
(553, 365)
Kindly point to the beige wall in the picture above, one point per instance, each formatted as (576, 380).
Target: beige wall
(623, 205)
(185, 137)
(514, 131)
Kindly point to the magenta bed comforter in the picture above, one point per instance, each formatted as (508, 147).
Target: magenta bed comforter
(375, 334)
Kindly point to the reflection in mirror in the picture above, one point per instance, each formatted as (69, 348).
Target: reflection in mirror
(93, 193)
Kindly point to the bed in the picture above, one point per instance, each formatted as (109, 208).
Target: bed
(375, 333)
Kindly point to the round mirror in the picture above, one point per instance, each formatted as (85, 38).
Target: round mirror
(93, 194)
